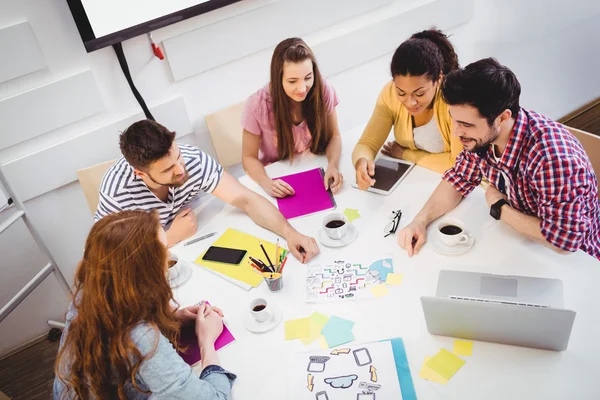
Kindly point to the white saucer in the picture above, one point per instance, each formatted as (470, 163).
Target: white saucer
(436, 243)
(259, 327)
(184, 273)
(350, 235)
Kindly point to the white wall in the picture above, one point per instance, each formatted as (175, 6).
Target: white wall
(551, 46)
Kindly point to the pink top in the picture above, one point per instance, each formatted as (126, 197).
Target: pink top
(259, 120)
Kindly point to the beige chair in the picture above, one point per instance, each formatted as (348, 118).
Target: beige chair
(225, 129)
(591, 145)
(90, 180)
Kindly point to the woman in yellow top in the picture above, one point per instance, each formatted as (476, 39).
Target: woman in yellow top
(412, 103)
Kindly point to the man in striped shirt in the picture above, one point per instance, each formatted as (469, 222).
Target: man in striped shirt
(542, 181)
(157, 173)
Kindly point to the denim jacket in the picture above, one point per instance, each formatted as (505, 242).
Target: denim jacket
(164, 374)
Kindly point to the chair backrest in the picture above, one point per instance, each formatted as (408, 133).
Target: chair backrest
(90, 180)
(591, 145)
(225, 129)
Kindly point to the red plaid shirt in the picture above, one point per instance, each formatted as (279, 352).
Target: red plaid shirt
(546, 173)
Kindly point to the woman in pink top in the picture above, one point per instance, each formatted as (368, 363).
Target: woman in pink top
(294, 113)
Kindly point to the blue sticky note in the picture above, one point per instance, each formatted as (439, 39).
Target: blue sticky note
(337, 324)
(381, 268)
(336, 337)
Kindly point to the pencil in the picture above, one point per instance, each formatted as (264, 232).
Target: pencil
(282, 265)
(277, 255)
(255, 267)
(266, 254)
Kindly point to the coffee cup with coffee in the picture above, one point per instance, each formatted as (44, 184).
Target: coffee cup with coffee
(174, 266)
(452, 232)
(335, 225)
(259, 309)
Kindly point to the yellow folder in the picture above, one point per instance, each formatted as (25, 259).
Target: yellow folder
(234, 239)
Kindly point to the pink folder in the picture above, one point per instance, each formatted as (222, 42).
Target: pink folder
(188, 338)
(311, 195)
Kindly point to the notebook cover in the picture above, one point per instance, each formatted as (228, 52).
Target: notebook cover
(311, 195)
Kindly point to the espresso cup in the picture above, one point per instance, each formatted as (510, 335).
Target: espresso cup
(452, 232)
(260, 310)
(174, 266)
(335, 225)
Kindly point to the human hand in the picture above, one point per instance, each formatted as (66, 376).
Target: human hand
(412, 237)
(365, 170)
(278, 188)
(333, 175)
(393, 149)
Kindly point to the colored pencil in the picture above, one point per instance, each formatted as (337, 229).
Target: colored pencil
(282, 265)
(277, 254)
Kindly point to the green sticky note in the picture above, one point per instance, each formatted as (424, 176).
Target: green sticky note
(316, 324)
(463, 348)
(351, 214)
(445, 363)
(297, 328)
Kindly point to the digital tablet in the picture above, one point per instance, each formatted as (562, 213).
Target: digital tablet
(389, 172)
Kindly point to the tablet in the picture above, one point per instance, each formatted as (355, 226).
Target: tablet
(389, 172)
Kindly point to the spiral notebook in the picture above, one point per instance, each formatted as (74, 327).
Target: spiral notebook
(311, 195)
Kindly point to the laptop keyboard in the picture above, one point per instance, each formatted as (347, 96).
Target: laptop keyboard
(513, 303)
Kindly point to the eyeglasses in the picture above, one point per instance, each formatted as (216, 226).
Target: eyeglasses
(392, 226)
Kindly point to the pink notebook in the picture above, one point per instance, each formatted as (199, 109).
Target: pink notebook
(311, 195)
(188, 338)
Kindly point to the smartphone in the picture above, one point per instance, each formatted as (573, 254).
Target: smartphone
(224, 255)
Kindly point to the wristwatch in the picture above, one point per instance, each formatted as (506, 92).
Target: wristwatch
(496, 208)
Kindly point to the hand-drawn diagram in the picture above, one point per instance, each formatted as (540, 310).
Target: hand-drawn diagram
(362, 357)
(344, 280)
(341, 382)
(346, 373)
(317, 363)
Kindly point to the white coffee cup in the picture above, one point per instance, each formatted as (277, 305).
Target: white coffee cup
(174, 270)
(338, 232)
(452, 232)
(259, 308)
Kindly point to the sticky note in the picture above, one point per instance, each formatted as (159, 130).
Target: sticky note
(337, 323)
(323, 342)
(379, 290)
(338, 337)
(431, 375)
(445, 363)
(463, 348)
(394, 279)
(351, 214)
(316, 324)
(297, 328)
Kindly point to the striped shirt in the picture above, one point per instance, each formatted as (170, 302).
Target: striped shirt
(548, 174)
(121, 189)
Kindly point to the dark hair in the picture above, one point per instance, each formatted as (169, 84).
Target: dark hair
(427, 53)
(487, 85)
(295, 50)
(145, 142)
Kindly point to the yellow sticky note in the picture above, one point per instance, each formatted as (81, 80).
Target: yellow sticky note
(297, 328)
(393, 279)
(379, 291)
(316, 324)
(463, 348)
(235, 239)
(323, 342)
(431, 375)
(351, 214)
(445, 363)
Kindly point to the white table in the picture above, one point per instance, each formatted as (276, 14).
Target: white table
(493, 371)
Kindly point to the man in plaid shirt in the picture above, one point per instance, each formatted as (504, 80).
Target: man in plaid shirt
(542, 182)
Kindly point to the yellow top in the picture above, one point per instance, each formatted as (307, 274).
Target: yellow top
(389, 112)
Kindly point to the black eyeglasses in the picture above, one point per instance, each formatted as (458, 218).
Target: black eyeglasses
(392, 226)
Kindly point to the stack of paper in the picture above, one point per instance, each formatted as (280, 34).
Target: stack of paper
(330, 332)
(441, 367)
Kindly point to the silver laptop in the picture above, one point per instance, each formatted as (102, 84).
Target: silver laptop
(514, 310)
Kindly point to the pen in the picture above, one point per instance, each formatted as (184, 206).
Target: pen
(266, 254)
(200, 238)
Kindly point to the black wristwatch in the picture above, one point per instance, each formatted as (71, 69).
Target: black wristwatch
(496, 208)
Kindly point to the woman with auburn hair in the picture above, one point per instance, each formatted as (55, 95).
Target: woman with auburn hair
(413, 106)
(122, 330)
(292, 114)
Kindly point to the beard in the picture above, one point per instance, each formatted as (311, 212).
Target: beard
(482, 145)
(173, 184)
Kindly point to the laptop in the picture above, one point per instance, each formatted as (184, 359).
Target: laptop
(515, 310)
